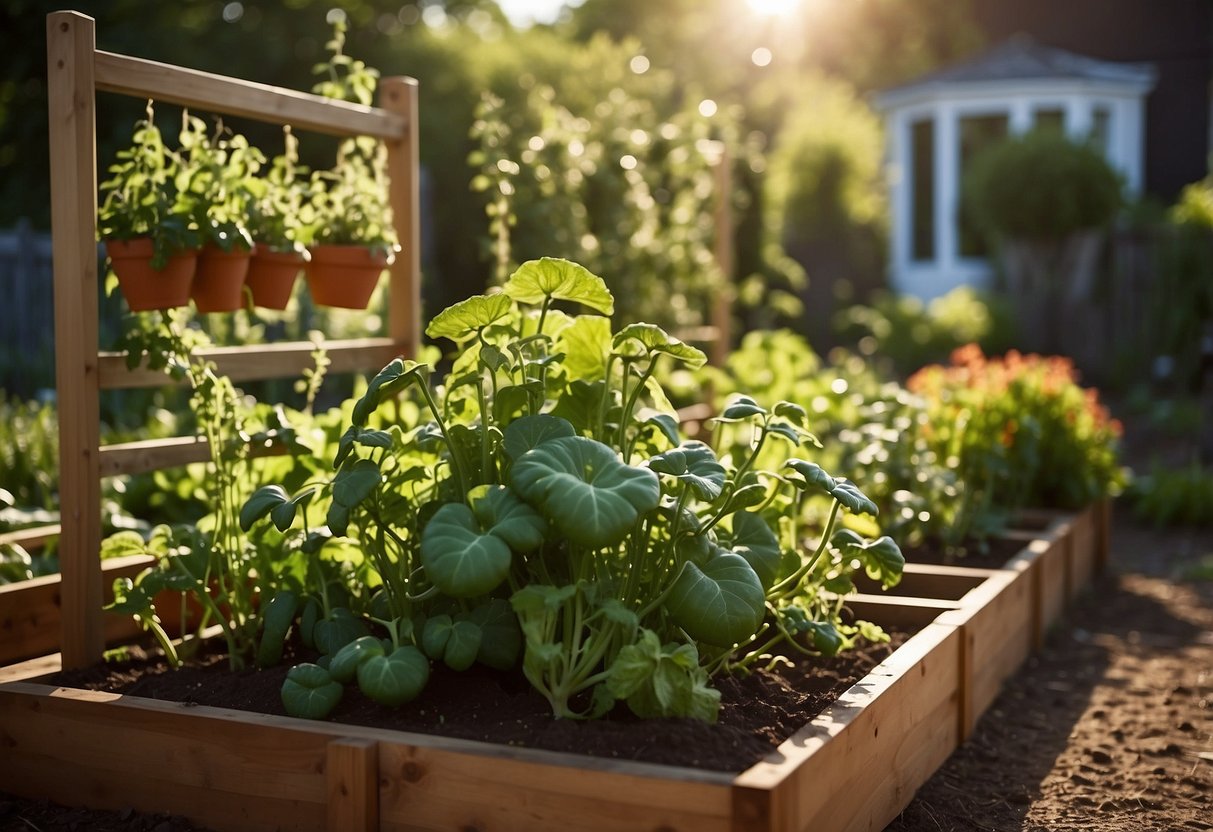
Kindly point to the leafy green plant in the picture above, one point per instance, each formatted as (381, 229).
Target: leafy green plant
(146, 196)
(1174, 496)
(548, 505)
(1022, 429)
(347, 204)
(277, 197)
(1041, 186)
(212, 561)
(216, 179)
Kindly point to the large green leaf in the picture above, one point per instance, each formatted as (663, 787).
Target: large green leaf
(276, 620)
(262, 502)
(881, 558)
(500, 636)
(551, 277)
(396, 678)
(463, 645)
(338, 630)
(695, 465)
(309, 692)
(583, 489)
(721, 603)
(502, 514)
(652, 339)
(354, 483)
(586, 345)
(462, 560)
(754, 540)
(344, 665)
(528, 432)
(741, 409)
(466, 318)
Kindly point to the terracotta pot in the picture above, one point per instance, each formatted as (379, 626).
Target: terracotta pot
(345, 276)
(146, 288)
(219, 281)
(271, 275)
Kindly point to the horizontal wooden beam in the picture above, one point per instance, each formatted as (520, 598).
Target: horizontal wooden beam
(32, 538)
(281, 360)
(219, 94)
(154, 454)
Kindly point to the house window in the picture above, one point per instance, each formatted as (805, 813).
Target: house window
(1101, 120)
(1052, 119)
(922, 189)
(976, 134)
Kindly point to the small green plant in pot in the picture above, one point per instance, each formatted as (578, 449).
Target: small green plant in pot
(217, 172)
(347, 219)
(540, 505)
(146, 223)
(273, 219)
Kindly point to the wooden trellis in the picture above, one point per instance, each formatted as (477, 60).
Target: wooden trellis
(77, 71)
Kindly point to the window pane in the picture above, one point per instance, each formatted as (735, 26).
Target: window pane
(1101, 123)
(976, 134)
(922, 190)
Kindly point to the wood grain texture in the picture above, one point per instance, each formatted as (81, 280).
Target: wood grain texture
(32, 538)
(400, 96)
(31, 612)
(859, 763)
(928, 580)
(281, 360)
(352, 772)
(219, 94)
(1085, 533)
(72, 124)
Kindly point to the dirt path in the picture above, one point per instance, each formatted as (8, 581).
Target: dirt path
(1110, 727)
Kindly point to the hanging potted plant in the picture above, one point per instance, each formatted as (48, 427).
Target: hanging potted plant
(349, 230)
(273, 221)
(145, 222)
(216, 175)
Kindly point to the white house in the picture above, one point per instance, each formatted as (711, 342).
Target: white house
(936, 124)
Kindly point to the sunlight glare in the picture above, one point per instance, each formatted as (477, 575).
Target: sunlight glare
(773, 8)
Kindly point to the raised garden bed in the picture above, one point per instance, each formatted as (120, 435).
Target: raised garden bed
(239, 770)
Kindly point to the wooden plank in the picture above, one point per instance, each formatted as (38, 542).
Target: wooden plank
(399, 95)
(1104, 526)
(432, 788)
(72, 122)
(155, 454)
(32, 538)
(352, 772)
(219, 768)
(219, 94)
(928, 580)
(859, 763)
(1084, 550)
(997, 628)
(913, 612)
(31, 611)
(281, 360)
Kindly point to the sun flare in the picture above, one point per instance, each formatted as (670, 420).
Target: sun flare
(773, 8)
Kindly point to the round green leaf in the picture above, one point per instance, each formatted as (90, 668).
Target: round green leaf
(262, 502)
(586, 345)
(395, 679)
(309, 692)
(500, 635)
(754, 540)
(528, 432)
(655, 340)
(338, 630)
(504, 515)
(721, 603)
(583, 489)
(694, 464)
(463, 645)
(354, 483)
(551, 277)
(458, 557)
(435, 635)
(344, 665)
(466, 318)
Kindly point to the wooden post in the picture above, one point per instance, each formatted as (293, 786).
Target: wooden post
(71, 100)
(352, 772)
(399, 95)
